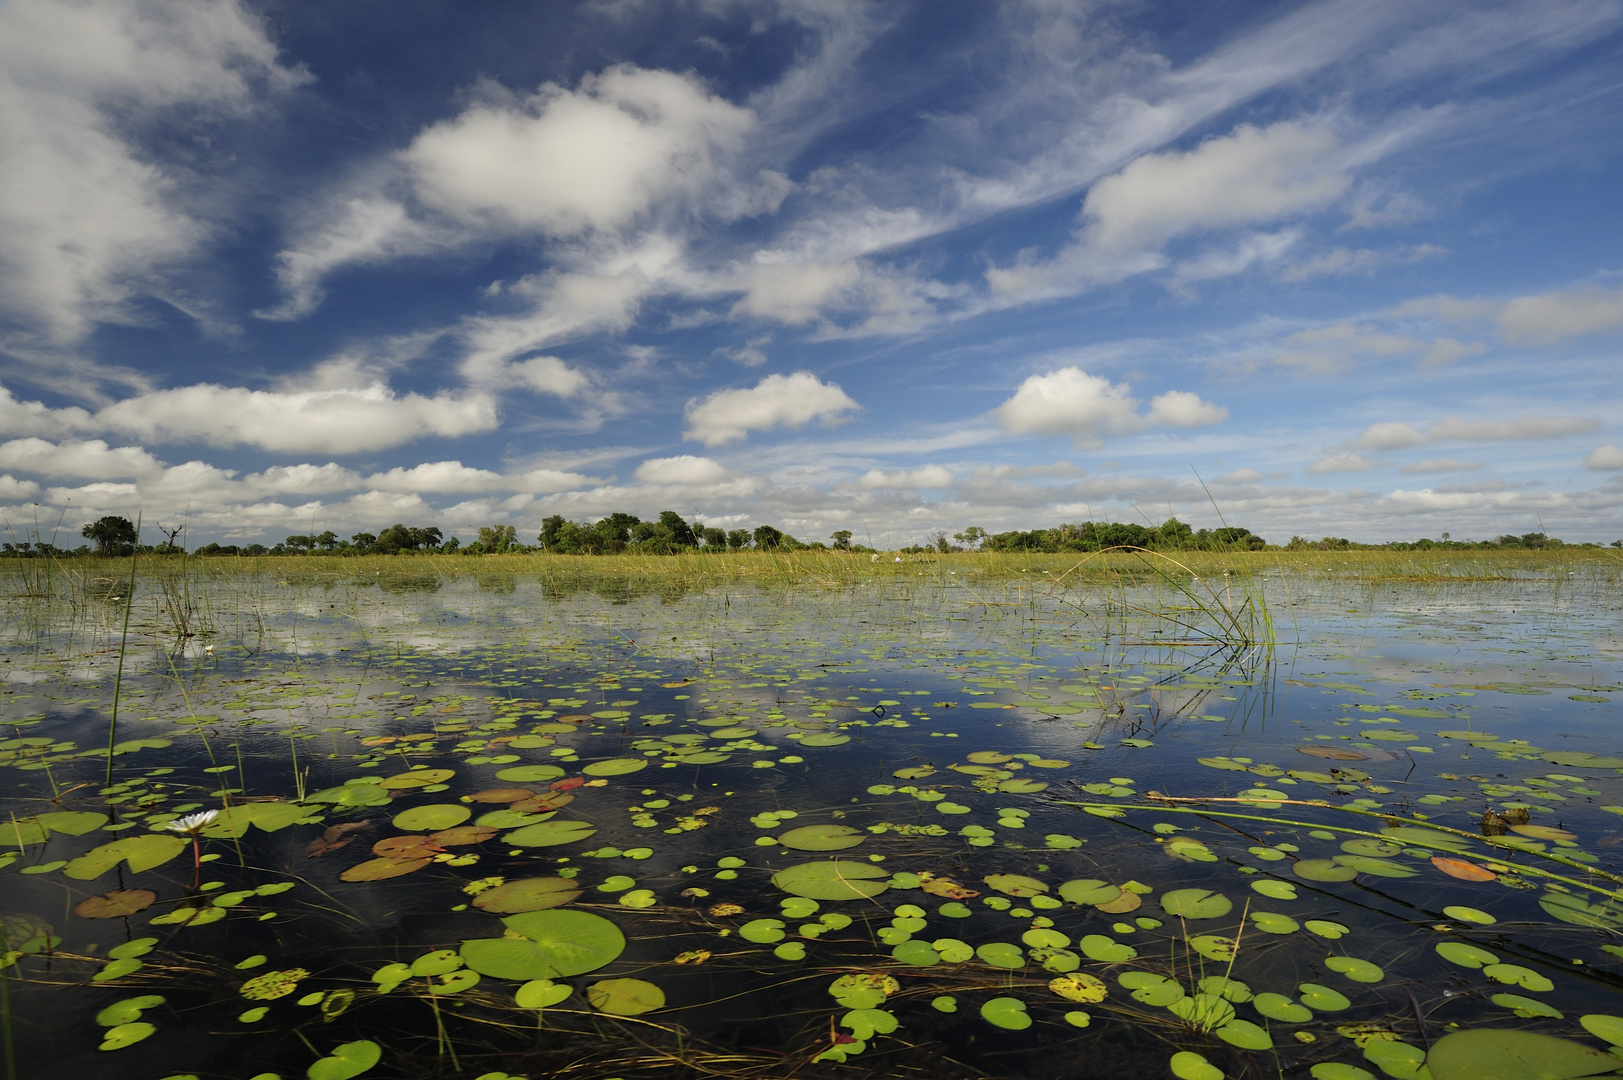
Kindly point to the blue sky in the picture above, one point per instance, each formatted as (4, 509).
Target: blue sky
(1340, 268)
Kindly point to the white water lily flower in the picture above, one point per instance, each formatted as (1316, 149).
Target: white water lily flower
(191, 823)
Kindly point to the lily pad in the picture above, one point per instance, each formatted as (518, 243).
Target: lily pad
(555, 945)
(1089, 891)
(1106, 950)
(1322, 870)
(1322, 998)
(116, 904)
(529, 774)
(541, 994)
(1525, 1007)
(916, 953)
(1465, 955)
(431, 817)
(1513, 1055)
(1270, 922)
(1016, 884)
(346, 1061)
(116, 1038)
(1196, 904)
(417, 778)
(1245, 1035)
(1001, 954)
(527, 894)
(1080, 987)
(1006, 1012)
(1188, 1065)
(1150, 988)
(550, 833)
(144, 852)
(1355, 969)
(821, 838)
(617, 767)
(382, 869)
(1281, 1008)
(835, 879)
(625, 997)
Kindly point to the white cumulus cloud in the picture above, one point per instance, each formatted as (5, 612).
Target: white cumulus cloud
(89, 218)
(775, 401)
(928, 476)
(681, 469)
(1397, 435)
(1607, 458)
(337, 421)
(1339, 463)
(1089, 408)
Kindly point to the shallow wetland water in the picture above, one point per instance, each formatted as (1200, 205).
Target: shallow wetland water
(915, 819)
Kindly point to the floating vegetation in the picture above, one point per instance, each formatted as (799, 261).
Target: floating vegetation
(887, 823)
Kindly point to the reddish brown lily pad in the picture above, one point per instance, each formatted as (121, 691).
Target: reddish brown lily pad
(540, 804)
(1333, 753)
(116, 904)
(406, 847)
(500, 794)
(462, 835)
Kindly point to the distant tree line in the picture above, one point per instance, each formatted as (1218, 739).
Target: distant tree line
(671, 533)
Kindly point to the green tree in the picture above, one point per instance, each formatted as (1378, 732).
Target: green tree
(767, 538)
(738, 538)
(714, 537)
(842, 540)
(970, 537)
(112, 535)
(681, 532)
(496, 539)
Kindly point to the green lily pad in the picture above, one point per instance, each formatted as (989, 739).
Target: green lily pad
(1355, 969)
(541, 994)
(1322, 870)
(1602, 1026)
(417, 778)
(529, 774)
(1188, 1065)
(431, 817)
(1322, 998)
(556, 944)
(550, 833)
(615, 767)
(127, 1011)
(1396, 1059)
(1375, 867)
(916, 953)
(865, 991)
(822, 838)
(67, 822)
(346, 1061)
(143, 852)
(1016, 884)
(762, 931)
(835, 879)
(438, 962)
(1469, 914)
(1273, 923)
(1336, 1070)
(1001, 954)
(1196, 904)
(1245, 1035)
(1213, 947)
(1150, 988)
(1330, 931)
(1281, 1008)
(1516, 975)
(1275, 889)
(790, 950)
(1513, 1055)
(1006, 1012)
(117, 1038)
(825, 738)
(1465, 955)
(1106, 950)
(1525, 1006)
(1089, 891)
(625, 997)
(952, 950)
(527, 894)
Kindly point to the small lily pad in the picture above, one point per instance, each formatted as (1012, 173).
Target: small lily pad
(821, 838)
(346, 1061)
(1006, 1012)
(836, 879)
(431, 817)
(1188, 1065)
(1080, 987)
(1322, 998)
(1245, 1035)
(527, 894)
(550, 833)
(1196, 904)
(1355, 969)
(614, 767)
(1281, 1008)
(625, 997)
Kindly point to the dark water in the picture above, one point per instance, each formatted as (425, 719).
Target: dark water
(1065, 822)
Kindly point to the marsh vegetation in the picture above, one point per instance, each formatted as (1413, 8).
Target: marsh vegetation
(1332, 813)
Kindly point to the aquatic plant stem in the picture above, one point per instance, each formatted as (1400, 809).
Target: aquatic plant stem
(123, 639)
